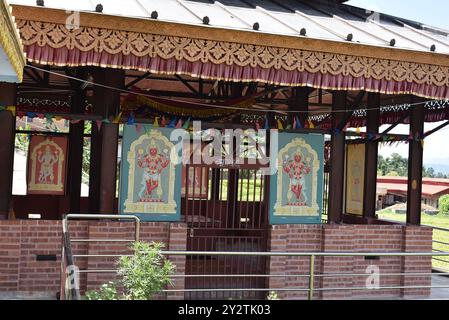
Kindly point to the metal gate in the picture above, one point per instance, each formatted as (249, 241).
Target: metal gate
(225, 208)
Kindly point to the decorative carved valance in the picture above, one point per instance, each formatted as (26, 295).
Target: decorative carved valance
(9, 40)
(124, 46)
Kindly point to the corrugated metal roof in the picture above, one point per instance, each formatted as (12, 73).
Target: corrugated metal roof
(320, 20)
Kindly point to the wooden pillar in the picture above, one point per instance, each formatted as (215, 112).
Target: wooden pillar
(337, 160)
(300, 102)
(7, 142)
(371, 153)
(415, 165)
(104, 143)
(76, 142)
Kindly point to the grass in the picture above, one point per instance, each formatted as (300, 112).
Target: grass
(440, 221)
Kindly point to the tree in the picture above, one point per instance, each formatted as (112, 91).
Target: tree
(444, 204)
(398, 166)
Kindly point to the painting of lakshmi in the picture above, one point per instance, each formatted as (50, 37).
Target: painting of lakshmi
(47, 165)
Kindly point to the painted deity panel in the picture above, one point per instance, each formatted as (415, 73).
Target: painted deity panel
(46, 168)
(355, 178)
(150, 183)
(296, 190)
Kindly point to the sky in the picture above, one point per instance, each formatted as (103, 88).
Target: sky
(434, 13)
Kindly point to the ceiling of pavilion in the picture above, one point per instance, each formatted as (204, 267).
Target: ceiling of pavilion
(327, 20)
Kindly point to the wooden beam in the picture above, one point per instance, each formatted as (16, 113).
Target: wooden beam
(444, 125)
(7, 141)
(76, 142)
(104, 143)
(415, 166)
(187, 84)
(371, 153)
(337, 161)
(135, 81)
(354, 105)
(300, 102)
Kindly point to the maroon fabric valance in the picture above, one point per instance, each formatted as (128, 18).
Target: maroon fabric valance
(208, 70)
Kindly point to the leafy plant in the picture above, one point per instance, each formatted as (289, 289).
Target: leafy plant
(273, 296)
(146, 273)
(108, 291)
(444, 205)
(143, 275)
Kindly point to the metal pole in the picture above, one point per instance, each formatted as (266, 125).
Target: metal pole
(311, 276)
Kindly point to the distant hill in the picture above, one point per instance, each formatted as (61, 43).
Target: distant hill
(443, 168)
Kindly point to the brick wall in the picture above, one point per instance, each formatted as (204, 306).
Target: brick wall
(22, 240)
(350, 238)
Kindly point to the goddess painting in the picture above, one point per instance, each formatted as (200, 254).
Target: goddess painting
(297, 169)
(296, 189)
(150, 175)
(355, 177)
(153, 164)
(46, 165)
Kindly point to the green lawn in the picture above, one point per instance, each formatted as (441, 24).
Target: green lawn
(435, 221)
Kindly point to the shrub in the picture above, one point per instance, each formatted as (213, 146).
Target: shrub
(444, 205)
(108, 291)
(143, 275)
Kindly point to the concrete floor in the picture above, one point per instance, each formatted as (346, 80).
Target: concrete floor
(440, 294)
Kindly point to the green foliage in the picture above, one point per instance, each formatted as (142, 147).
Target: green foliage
(396, 165)
(273, 296)
(392, 174)
(22, 140)
(444, 205)
(108, 291)
(144, 274)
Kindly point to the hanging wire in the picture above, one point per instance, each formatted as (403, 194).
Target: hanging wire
(216, 106)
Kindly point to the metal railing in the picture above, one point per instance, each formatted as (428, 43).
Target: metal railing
(312, 276)
(440, 263)
(69, 289)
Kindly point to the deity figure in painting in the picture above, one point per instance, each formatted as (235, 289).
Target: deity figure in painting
(153, 164)
(356, 182)
(296, 169)
(47, 160)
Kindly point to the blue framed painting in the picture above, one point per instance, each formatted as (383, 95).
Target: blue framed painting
(150, 175)
(296, 190)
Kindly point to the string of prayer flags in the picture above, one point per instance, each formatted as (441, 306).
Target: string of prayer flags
(131, 119)
(280, 125)
(311, 125)
(172, 123)
(267, 124)
(99, 123)
(163, 122)
(186, 124)
(118, 118)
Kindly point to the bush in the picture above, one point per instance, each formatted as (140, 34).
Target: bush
(444, 205)
(108, 291)
(143, 274)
